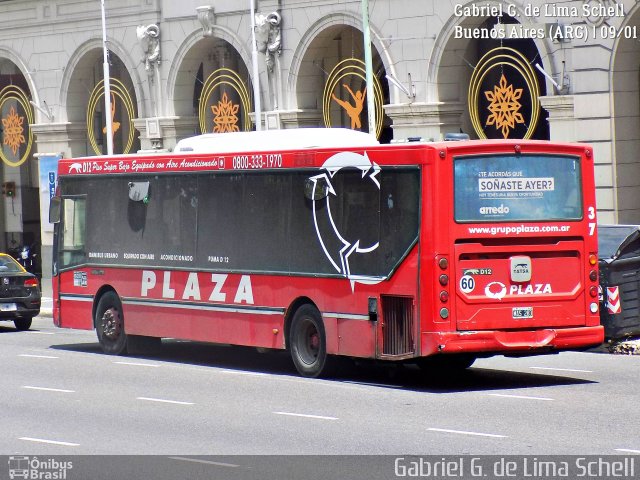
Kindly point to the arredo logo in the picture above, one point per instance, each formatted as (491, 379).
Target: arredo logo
(504, 95)
(349, 247)
(16, 139)
(224, 103)
(345, 93)
(501, 210)
(122, 113)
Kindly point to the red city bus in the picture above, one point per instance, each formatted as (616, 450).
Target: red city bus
(433, 253)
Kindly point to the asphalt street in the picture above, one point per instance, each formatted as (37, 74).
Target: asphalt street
(64, 397)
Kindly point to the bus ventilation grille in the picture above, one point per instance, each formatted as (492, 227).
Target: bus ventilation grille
(398, 325)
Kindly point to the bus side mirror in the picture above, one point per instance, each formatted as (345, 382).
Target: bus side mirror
(139, 191)
(316, 188)
(54, 210)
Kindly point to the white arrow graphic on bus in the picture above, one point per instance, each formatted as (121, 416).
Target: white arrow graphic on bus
(332, 166)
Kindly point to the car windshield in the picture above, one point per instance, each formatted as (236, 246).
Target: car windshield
(8, 264)
(610, 237)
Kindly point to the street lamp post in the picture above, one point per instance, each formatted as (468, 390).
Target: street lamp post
(368, 66)
(107, 87)
(256, 73)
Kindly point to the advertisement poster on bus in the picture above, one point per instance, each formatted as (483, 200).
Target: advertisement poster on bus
(522, 188)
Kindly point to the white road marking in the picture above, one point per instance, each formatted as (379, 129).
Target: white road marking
(46, 389)
(626, 450)
(162, 400)
(52, 442)
(462, 432)
(36, 356)
(135, 364)
(303, 415)
(372, 384)
(240, 372)
(206, 462)
(523, 397)
(36, 332)
(574, 370)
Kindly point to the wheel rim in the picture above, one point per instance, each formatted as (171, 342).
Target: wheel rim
(308, 342)
(111, 324)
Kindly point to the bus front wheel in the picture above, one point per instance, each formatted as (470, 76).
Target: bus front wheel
(109, 322)
(308, 343)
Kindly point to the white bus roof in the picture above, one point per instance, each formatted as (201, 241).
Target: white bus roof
(266, 140)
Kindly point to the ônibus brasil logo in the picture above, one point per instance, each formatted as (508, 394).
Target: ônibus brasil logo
(349, 247)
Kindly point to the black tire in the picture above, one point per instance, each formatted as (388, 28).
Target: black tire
(308, 343)
(109, 323)
(22, 324)
(445, 364)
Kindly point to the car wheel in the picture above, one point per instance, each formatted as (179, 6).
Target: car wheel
(109, 323)
(22, 324)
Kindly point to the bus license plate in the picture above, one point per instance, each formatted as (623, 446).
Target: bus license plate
(8, 307)
(522, 312)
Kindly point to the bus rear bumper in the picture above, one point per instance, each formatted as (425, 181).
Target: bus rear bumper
(517, 341)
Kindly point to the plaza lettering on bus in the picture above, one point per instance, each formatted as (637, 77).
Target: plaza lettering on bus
(542, 184)
(215, 287)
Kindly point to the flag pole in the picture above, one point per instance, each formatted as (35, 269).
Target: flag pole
(107, 87)
(368, 66)
(256, 73)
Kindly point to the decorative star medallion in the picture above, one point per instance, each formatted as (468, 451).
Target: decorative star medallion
(225, 116)
(13, 131)
(504, 107)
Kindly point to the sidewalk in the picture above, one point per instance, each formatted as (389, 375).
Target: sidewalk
(46, 309)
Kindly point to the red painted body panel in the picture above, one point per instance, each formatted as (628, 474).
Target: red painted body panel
(172, 310)
(191, 305)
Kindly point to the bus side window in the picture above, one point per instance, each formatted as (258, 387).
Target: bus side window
(72, 241)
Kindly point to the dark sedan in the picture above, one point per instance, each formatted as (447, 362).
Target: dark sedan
(20, 295)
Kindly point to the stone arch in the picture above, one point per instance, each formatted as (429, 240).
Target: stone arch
(332, 20)
(180, 80)
(329, 40)
(20, 224)
(15, 58)
(83, 73)
(93, 49)
(625, 92)
(453, 59)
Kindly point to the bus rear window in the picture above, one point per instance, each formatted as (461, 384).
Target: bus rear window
(517, 188)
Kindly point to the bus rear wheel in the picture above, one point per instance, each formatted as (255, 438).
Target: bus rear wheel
(109, 322)
(308, 343)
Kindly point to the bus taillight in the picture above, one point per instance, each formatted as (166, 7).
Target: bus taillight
(443, 279)
(593, 277)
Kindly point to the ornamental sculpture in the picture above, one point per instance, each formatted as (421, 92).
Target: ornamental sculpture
(268, 37)
(207, 18)
(149, 38)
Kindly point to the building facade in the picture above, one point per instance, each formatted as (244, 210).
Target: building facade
(564, 70)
